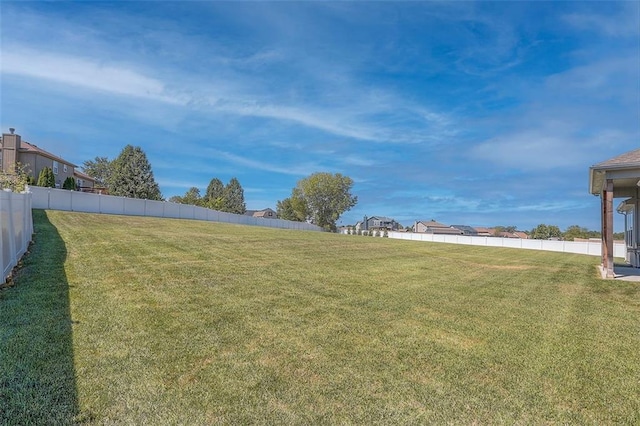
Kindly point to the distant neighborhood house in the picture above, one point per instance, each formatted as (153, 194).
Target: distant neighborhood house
(377, 223)
(264, 213)
(14, 150)
(485, 232)
(433, 227)
(466, 230)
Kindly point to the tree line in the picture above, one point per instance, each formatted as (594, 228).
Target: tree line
(225, 198)
(545, 232)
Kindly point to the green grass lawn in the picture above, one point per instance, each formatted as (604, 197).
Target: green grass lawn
(128, 320)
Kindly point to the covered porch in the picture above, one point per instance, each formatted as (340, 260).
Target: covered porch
(618, 177)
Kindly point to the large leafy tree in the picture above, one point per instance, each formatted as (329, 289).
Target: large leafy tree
(131, 175)
(214, 197)
(293, 208)
(234, 197)
(99, 169)
(320, 198)
(46, 178)
(544, 232)
(576, 231)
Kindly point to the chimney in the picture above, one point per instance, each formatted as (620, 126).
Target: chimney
(10, 149)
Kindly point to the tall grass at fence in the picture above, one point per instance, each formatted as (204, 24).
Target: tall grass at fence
(180, 322)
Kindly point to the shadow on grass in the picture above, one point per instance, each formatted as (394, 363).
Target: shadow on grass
(37, 377)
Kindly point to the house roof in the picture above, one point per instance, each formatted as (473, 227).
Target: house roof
(631, 158)
(433, 224)
(28, 147)
(484, 230)
(465, 228)
(623, 170)
(381, 218)
(263, 213)
(259, 213)
(82, 175)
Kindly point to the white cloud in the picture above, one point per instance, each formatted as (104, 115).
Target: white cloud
(624, 23)
(297, 170)
(85, 73)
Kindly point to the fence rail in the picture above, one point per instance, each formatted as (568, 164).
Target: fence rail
(61, 199)
(592, 248)
(16, 227)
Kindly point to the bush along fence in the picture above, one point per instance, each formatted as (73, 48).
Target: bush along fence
(16, 225)
(60, 199)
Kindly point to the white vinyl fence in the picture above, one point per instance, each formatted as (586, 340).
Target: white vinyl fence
(593, 248)
(16, 227)
(61, 199)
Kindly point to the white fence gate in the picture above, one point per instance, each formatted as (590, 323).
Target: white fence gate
(16, 227)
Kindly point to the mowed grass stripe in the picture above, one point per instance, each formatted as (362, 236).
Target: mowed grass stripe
(187, 322)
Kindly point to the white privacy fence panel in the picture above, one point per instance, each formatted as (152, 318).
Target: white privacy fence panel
(592, 248)
(61, 199)
(16, 229)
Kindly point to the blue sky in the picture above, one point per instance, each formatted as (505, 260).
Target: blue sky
(477, 113)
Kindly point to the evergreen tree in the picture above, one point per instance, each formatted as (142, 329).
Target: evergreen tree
(131, 176)
(192, 197)
(214, 197)
(46, 178)
(69, 183)
(234, 197)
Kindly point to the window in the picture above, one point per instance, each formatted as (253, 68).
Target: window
(55, 167)
(64, 168)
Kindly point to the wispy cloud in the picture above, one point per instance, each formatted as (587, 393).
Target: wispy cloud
(623, 22)
(295, 170)
(88, 74)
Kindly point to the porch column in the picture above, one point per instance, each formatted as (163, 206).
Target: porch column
(607, 229)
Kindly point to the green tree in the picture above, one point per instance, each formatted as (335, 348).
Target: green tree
(214, 197)
(131, 176)
(99, 169)
(17, 179)
(46, 178)
(324, 197)
(234, 197)
(69, 183)
(293, 208)
(544, 232)
(575, 231)
(192, 196)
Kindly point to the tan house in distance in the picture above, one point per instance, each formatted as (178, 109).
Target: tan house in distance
(433, 227)
(264, 213)
(14, 150)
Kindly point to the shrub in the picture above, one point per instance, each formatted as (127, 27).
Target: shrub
(46, 178)
(69, 183)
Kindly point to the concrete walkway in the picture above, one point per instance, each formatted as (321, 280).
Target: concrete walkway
(626, 273)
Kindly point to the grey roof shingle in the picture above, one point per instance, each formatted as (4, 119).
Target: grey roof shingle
(631, 158)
